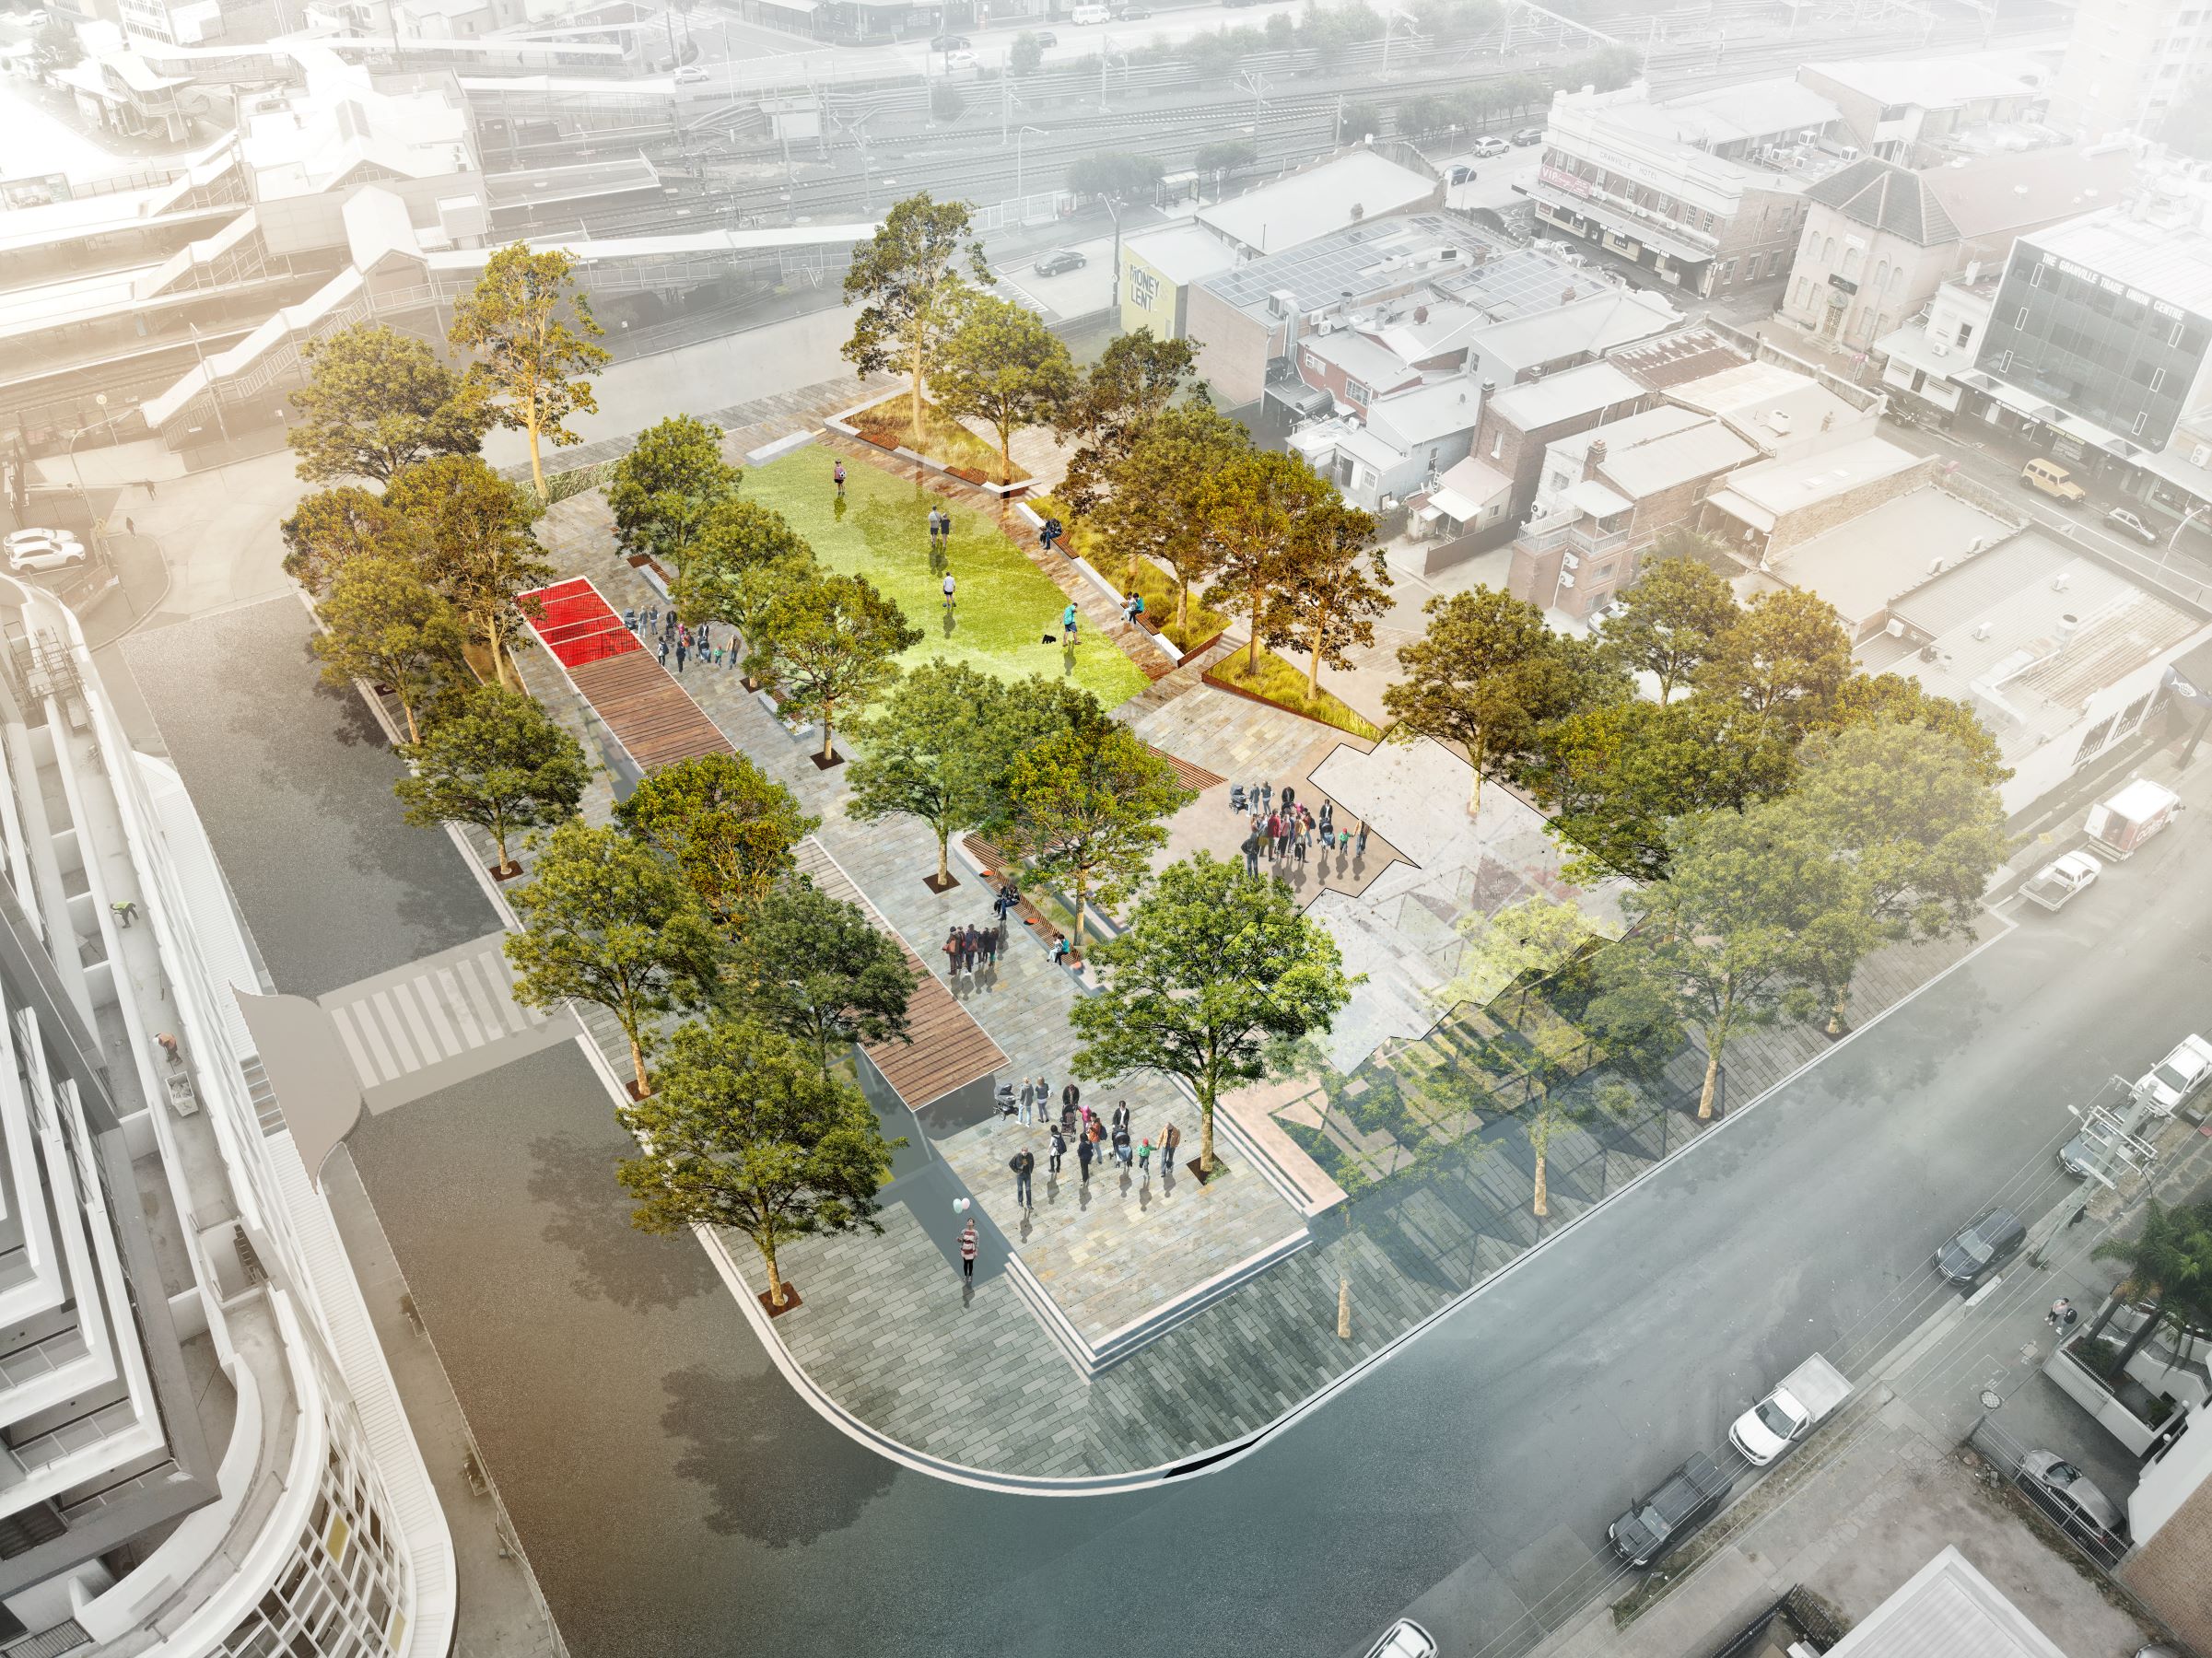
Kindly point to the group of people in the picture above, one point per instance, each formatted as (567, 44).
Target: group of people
(1284, 828)
(661, 629)
(1095, 1138)
(968, 948)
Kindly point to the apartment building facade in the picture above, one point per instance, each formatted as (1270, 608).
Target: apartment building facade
(2130, 63)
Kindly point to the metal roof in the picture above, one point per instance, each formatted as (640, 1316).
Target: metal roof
(1588, 389)
(1888, 199)
(2168, 264)
(1946, 1609)
(1358, 259)
(1353, 187)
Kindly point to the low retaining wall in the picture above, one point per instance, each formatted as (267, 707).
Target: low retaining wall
(841, 422)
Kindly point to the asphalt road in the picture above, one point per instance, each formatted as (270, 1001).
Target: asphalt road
(680, 1503)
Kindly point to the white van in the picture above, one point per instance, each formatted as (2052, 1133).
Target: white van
(1088, 14)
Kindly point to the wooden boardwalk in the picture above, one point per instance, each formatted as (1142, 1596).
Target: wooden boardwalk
(947, 1050)
(644, 709)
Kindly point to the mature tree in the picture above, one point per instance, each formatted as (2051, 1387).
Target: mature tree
(1225, 154)
(1489, 674)
(496, 759)
(610, 921)
(947, 102)
(57, 45)
(1254, 510)
(831, 645)
(747, 1136)
(332, 527)
(1515, 947)
(1027, 54)
(1216, 976)
(668, 486)
(1332, 584)
(1617, 777)
(1671, 618)
(1117, 175)
(1003, 367)
(1754, 913)
(471, 528)
(932, 753)
(746, 555)
(1786, 655)
(817, 969)
(384, 623)
(1152, 510)
(724, 824)
(1031, 711)
(2169, 1269)
(1913, 811)
(376, 400)
(916, 278)
(1356, 122)
(1895, 699)
(1085, 807)
(1132, 385)
(531, 359)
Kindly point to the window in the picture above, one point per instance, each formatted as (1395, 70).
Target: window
(1560, 481)
(2092, 740)
(2035, 278)
(2140, 418)
(1497, 444)
(1853, 259)
(1727, 270)
(2004, 362)
(1356, 391)
(2021, 321)
(1966, 332)
(1881, 274)
(2157, 379)
(2133, 716)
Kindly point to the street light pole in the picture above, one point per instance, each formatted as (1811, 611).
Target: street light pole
(2174, 541)
(1020, 132)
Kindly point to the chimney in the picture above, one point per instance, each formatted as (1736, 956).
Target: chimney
(1420, 314)
(1567, 298)
(2068, 626)
(1488, 387)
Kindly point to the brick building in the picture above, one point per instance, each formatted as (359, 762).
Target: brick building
(1763, 511)
(1519, 422)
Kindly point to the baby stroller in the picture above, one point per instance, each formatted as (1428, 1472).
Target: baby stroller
(1237, 796)
(1005, 1099)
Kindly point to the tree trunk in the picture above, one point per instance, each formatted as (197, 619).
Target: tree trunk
(2112, 1305)
(407, 707)
(1538, 1140)
(1474, 798)
(499, 834)
(537, 470)
(645, 1084)
(945, 867)
(1252, 655)
(1839, 1011)
(1313, 673)
(915, 416)
(1182, 600)
(1205, 1136)
(1343, 1309)
(1006, 453)
(1704, 1100)
(829, 735)
(767, 1254)
(1082, 884)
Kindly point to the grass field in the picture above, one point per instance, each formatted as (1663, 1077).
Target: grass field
(881, 530)
(942, 439)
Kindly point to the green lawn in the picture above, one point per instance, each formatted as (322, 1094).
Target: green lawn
(881, 530)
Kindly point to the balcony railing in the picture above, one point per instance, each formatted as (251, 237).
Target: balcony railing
(1577, 538)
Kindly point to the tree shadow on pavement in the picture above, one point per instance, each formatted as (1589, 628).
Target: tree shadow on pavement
(614, 1262)
(744, 1434)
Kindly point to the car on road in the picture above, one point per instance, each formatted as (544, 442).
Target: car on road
(1491, 145)
(1686, 1499)
(1990, 1239)
(2119, 518)
(1089, 13)
(1059, 261)
(2057, 881)
(56, 550)
(1461, 174)
(2072, 1495)
(1132, 14)
(691, 75)
(1800, 1401)
(959, 58)
(2053, 480)
(2080, 1156)
(1524, 136)
(1045, 37)
(36, 534)
(950, 43)
(1404, 1638)
(2177, 1076)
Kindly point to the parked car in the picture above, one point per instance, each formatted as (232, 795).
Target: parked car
(1800, 1401)
(45, 554)
(1045, 37)
(2053, 479)
(1691, 1496)
(1404, 1638)
(2120, 518)
(1990, 1240)
(691, 75)
(950, 43)
(960, 57)
(2079, 1157)
(1492, 146)
(1524, 136)
(1059, 260)
(2070, 1494)
(1134, 14)
(2177, 1076)
(1089, 13)
(18, 537)
(2059, 880)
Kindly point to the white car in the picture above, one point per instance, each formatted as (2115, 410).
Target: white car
(959, 58)
(1492, 147)
(2177, 1076)
(1404, 1638)
(44, 554)
(691, 75)
(18, 537)
(2120, 518)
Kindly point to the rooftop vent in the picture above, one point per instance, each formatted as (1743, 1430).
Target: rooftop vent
(2068, 626)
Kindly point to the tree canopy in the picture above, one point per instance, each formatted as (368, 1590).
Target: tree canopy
(914, 280)
(333, 526)
(747, 1135)
(744, 555)
(668, 486)
(934, 752)
(470, 528)
(375, 402)
(1135, 380)
(1003, 367)
(727, 827)
(496, 759)
(831, 645)
(1217, 975)
(1154, 505)
(1117, 175)
(816, 969)
(1330, 584)
(1671, 617)
(1786, 655)
(384, 623)
(531, 329)
(1086, 807)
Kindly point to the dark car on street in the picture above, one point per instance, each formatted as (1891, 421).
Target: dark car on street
(1058, 260)
(1691, 1496)
(1989, 1241)
(1132, 14)
(1045, 37)
(1527, 137)
(949, 43)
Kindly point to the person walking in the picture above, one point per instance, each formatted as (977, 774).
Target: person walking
(629, 618)
(1171, 1139)
(1267, 797)
(1060, 1149)
(1085, 1152)
(1121, 1114)
(1144, 1160)
(1067, 1112)
(1028, 1099)
(1358, 847)
(1071, 1095)
(975, 947)
(663, 650)
(1123, 1150)
(1023, 1165)
(837, 473)
(681, 653)
(968, 1249)
(1068, 622)
(951, 953)
(130, 526)
(949, 587)
(1251, 852)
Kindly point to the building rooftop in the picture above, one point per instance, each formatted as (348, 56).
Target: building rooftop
(1864, 562)
(1946, 1609)
(2015, 192)
(1183, 253)
(1759, 495)
(1771, 405)
(1351, 188)
(1519, 283)
(1665, 460)
(2025, 633)
(1360, 358)
(1593, 324)
(1624, 433)
(1372, 257)
(1428, 412)
(1427, 331)
(1736, 114)
(1588, 389)
(1687, 354)
(2172, 264)
(1886, 198)
(1932, 83)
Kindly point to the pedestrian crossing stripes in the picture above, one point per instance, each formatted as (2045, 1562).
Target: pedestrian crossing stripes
(435, 1010)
